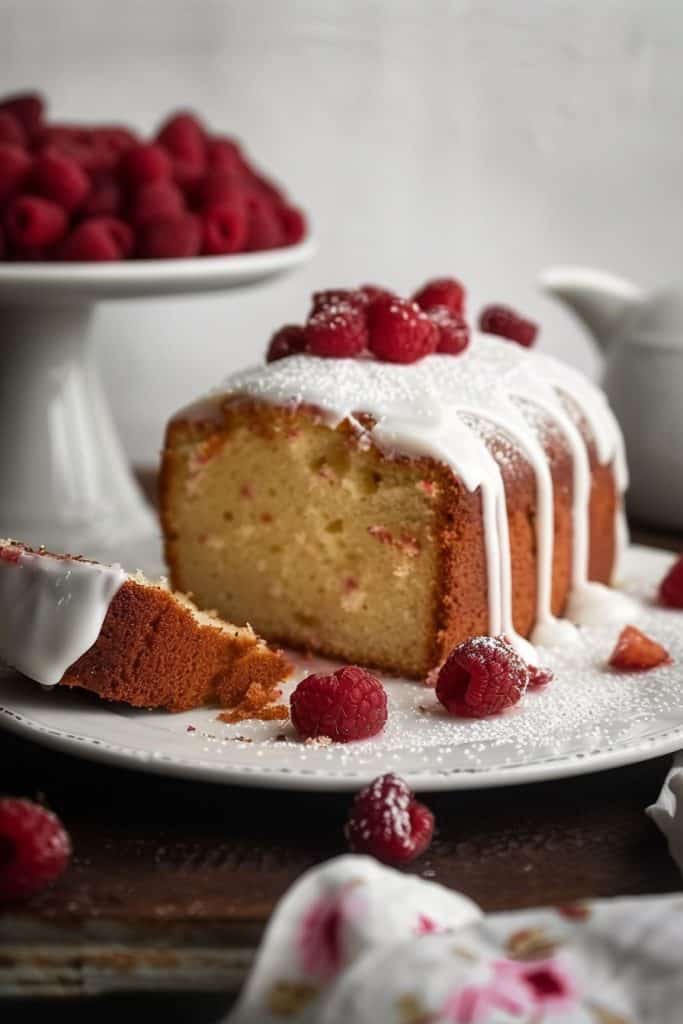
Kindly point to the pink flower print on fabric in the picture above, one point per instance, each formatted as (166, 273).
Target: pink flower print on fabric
(551, 987)
(517, 988)
(427, 925)
(321, 934)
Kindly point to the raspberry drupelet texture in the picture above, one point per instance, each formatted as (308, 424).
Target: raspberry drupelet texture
(671, 587)
(350, 704)
(454, 334)
(288, 341)
(387, 822)
(506, 323)
(482, 676)
(442, 291)
(399, 331)
(337, 330)
(636, 652)
(34, 848)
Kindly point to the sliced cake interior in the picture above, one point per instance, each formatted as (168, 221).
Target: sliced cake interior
(70, 621)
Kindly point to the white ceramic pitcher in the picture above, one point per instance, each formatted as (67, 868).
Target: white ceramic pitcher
(641, 335)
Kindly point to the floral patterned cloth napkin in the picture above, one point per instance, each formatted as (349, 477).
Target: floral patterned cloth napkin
(667, 813)
(353, 942)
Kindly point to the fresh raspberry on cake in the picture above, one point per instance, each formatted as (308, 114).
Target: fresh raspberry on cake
(442, 291)
(288, 341)
(350, 704)
(636, 652)
(454, 334)
(539, 677)
(387, 822)
(337, 331)
(671, 587)
(481, 677)
(337, 297)
(34, 848)
(506, 323)
(399, 331)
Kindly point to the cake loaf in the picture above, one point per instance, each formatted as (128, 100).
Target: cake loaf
(381, 513)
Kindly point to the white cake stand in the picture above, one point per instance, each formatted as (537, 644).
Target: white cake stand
(64, 479)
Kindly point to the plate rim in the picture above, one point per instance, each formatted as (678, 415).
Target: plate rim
(339, 780)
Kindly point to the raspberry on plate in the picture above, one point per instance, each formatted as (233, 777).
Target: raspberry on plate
(184, 139)
(293, 223)
(636, 652)
(454, 334)
(156, 200)
(224, 227)
(504, 322)
(442, 291)
(34, 848)
(337, 331)
(399, 331)
(27, 107)
(387, 822)
(15, 167)
(100, 239)
(145, 162)
(61, 179)
(170, 238)
(11, 130)
(481, 676)
(671, 587)
(288, 341)
(264, 228)
(350, 704)
(34, 221)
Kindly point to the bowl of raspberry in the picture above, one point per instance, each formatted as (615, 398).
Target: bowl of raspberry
(93, 212)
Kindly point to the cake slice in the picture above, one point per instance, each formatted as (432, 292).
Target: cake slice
(74, 622)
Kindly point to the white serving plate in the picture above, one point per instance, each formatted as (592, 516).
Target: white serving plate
(588, 719)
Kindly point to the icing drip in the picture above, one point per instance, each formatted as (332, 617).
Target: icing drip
(437, 407)
(51, 609)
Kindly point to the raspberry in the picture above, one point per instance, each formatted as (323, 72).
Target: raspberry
(34, 221)
(371, 292)
(145, 162)
(506, 323)
(171, 238)
(27, 108)
(223, 156)
(156, 200)
(286, 342)
(183, 138)
(348, 705)
(34, 848)
(15, 166)
(442, 291)
(264, 186)
(12, 130)
(293, 224)
(264, 230)
(105, 199)
(337, 331)
(671, 587)
(60, 178)
(636, 652)
(399, 331)
(387, 821)
(539, 677)
(481, 676)
(336, 297)
(454, 334)
(224, 227)
(217, 188)
(100, 239)
(3, 253)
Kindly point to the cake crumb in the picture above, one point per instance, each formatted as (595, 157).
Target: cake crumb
(318, 741)
(191, 728)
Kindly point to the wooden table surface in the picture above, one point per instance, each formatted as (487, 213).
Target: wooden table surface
(172, 882)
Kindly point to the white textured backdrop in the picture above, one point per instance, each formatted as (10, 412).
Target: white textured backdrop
(487, 139)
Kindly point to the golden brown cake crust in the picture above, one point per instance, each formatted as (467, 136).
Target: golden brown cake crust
(152, 652)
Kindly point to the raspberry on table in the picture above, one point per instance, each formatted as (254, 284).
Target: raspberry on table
(156, 200)
(350, 704)
(170, 238)
(482, 676)
(636, 652)
(336, 331)
(60, 178)
(34, 848)
(15, 167)
(99, 239)
(288, 341)
(454, 334)
(387, 822)
(35, 221)
(442, 291)
(399, 331)
(224, 227)
(506, 323)
(671, 587)
(145, 162)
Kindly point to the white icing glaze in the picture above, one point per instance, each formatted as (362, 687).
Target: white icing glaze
(51, 609)
(430, 408)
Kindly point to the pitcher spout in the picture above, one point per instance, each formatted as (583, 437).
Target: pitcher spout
(600, 300)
